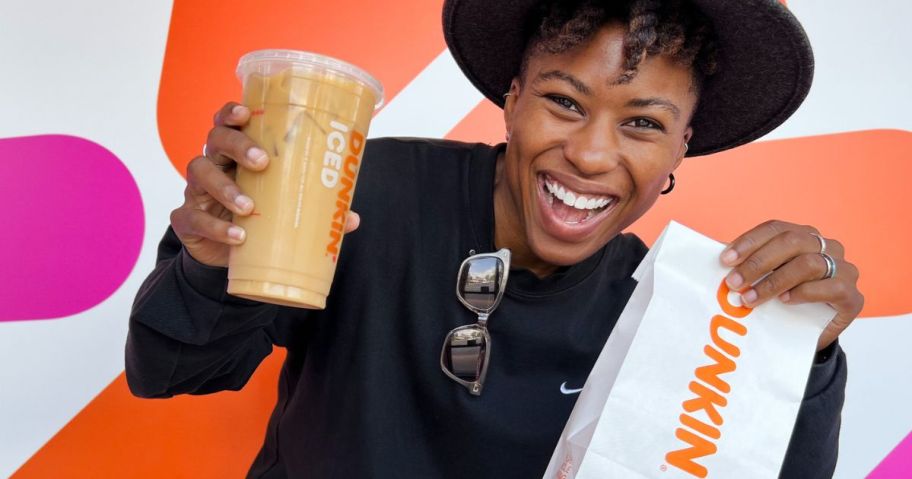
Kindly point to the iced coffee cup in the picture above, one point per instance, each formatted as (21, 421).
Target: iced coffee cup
(310, 113)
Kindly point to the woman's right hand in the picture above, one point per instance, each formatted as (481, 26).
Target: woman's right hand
(203, 222)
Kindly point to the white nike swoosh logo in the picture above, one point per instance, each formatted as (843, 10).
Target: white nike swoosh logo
(569, 391)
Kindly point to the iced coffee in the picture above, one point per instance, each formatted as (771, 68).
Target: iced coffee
(310, 113)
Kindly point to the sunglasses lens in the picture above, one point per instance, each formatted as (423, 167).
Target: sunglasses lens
(465, 352)
(479, 282)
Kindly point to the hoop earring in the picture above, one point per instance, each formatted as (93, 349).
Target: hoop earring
(671, 184)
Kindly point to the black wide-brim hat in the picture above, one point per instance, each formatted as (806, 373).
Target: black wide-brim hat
(765, 63)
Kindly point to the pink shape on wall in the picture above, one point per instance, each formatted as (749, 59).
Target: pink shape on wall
(72, 226)
(896, 465)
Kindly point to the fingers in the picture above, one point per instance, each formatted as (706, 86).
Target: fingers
(745, 245)
(834, 248)
(780, 259)
(799, 270)
(231, 114)
(756, 258)
(838, 292)
(833, 329)
(205, 179)
(775, 257)
(226, 146)
(352, 221)
(191, 223)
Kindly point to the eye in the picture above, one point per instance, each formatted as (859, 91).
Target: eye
(564, 103)
(645, 123)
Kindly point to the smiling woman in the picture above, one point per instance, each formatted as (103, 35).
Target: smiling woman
(600, 105)
(611, 89)
(594, 131)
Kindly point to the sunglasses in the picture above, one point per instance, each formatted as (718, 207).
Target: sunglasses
(480, 286)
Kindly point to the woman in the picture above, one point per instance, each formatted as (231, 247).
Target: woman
(601, 104)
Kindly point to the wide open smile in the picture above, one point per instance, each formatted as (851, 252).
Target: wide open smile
(571, 214)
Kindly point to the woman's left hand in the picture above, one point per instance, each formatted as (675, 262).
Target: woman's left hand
(797, 272)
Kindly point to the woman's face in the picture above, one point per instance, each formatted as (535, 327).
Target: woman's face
(577, 137)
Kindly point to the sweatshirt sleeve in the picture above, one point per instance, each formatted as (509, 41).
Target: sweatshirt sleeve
(814, 445)
(187, 335)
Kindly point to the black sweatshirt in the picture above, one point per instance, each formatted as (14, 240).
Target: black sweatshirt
(361, 393)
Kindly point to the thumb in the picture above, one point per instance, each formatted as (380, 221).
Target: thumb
(352, 221)
(832, 331)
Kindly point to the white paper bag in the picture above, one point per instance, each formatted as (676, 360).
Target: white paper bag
(691, 384)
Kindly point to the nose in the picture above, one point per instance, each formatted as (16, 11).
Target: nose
(593, 148)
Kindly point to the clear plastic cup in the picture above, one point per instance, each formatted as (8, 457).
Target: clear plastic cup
(310, 113)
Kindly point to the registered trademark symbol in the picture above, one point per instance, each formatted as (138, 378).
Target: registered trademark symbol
(663, 468)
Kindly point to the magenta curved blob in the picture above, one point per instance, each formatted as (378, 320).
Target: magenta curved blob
(72, 229)
(897, 464)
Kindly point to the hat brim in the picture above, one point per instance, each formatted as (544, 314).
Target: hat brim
(765, 62)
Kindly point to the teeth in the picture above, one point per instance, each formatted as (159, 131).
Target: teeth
(575, 200)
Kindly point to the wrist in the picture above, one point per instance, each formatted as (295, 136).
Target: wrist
(826, 353)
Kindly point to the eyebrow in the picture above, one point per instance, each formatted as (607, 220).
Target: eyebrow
(585, 90)
(655, 101)
(564, 76)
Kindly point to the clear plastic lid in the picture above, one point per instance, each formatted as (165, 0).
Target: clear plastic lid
(254, 61)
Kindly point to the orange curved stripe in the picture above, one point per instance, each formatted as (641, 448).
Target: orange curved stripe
(393, 41)
(118, 435)
(484, 124)
(852, 186)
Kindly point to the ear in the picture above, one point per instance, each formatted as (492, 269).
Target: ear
(682, 150)
(510, 104)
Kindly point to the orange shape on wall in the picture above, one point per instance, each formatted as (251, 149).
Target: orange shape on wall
(217, 436)
(393, 41)
(118, 435)
(848, 185)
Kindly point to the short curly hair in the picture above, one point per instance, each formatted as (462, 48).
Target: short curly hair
(654, 27)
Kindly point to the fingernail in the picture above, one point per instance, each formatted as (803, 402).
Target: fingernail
(734, 280)
(243, 202)
(729, 256)
(785, 297)
(750, 296)
(239, 110)
(256, 156)
(236, 232)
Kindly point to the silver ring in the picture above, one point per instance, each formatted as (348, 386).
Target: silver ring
(204, 149)
(831, 266)
(822, 242)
